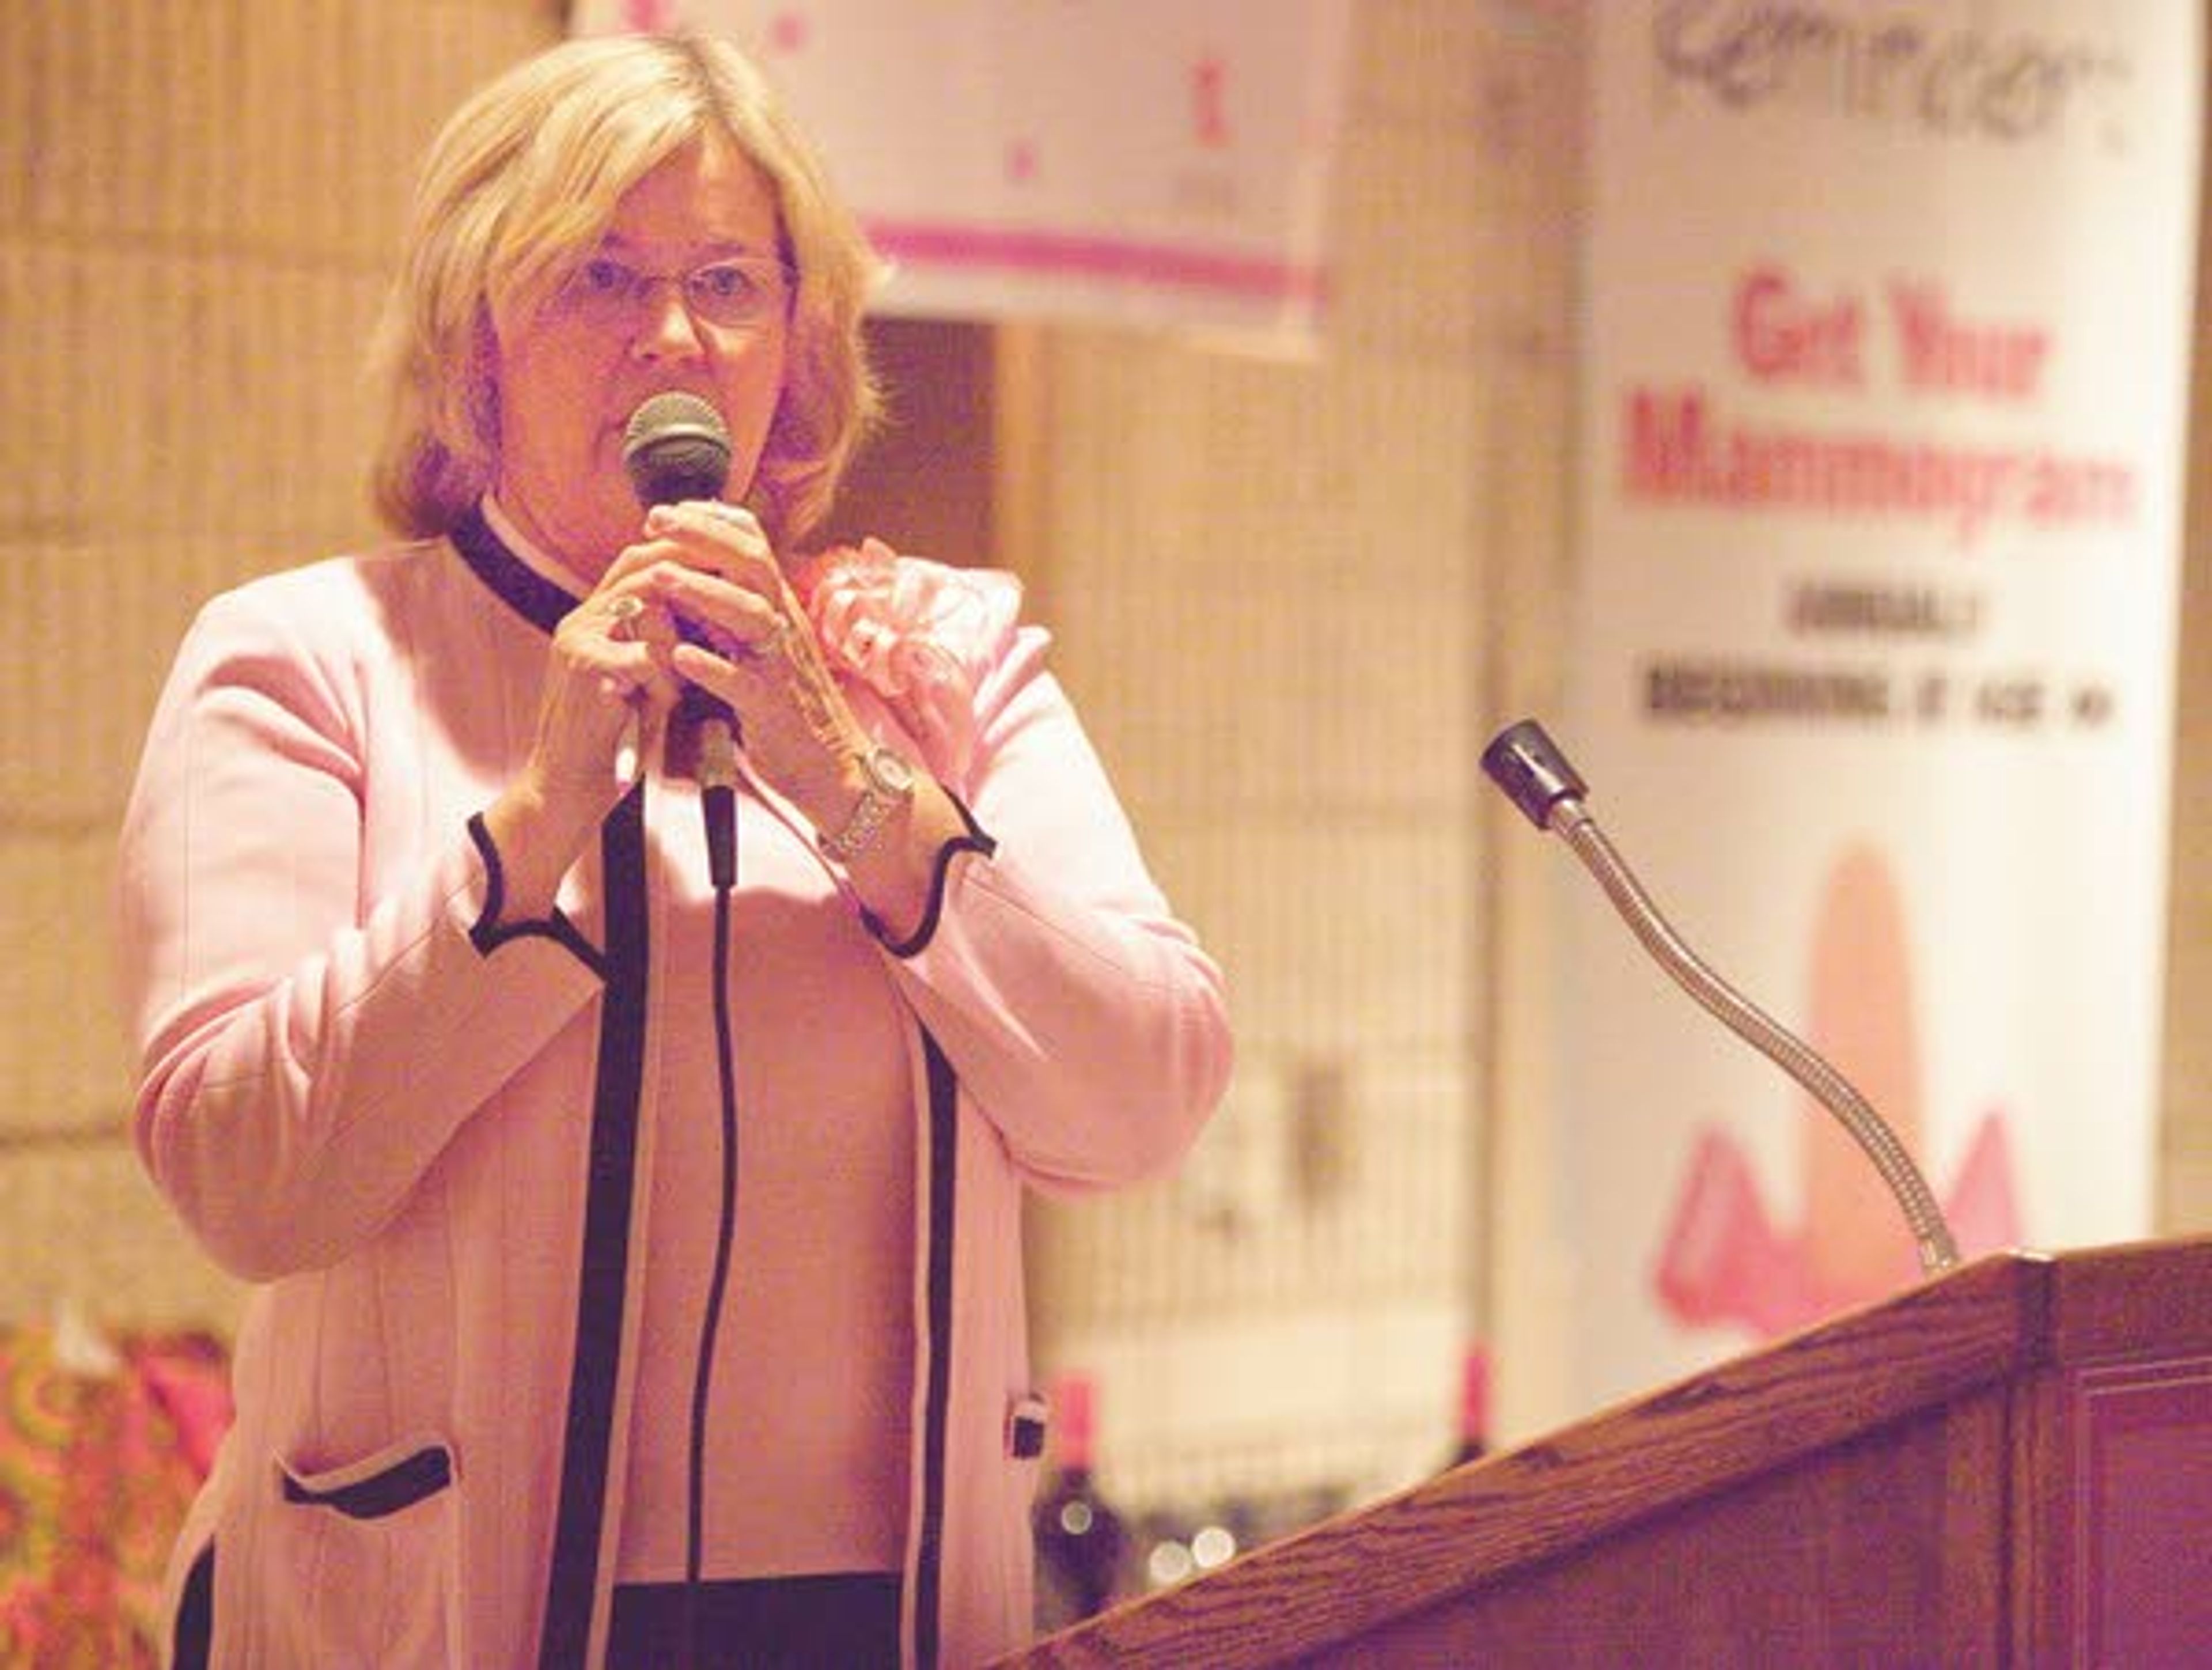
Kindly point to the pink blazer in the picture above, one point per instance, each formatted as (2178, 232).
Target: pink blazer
(418, 1136)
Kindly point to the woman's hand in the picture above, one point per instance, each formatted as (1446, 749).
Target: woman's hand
(703, 574)
(606, 694)
(711, 566)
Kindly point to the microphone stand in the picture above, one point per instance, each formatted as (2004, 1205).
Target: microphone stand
(1523, 761)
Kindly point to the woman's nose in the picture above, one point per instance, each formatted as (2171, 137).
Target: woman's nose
(666, 329)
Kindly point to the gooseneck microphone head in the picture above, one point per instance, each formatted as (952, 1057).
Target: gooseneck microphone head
(1524, 761)
(675, 446)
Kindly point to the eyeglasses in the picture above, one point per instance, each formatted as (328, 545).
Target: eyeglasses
(734, 294)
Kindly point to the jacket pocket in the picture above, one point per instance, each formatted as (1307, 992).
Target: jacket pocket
(362, 1558)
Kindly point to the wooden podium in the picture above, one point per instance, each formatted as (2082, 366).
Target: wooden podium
(2010, 1464)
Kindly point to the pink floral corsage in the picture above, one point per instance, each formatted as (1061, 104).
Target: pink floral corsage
(920, 634)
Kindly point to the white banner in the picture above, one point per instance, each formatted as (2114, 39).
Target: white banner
(1151, 161)
(1885, 400)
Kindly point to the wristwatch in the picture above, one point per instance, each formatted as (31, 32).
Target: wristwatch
(890, 786)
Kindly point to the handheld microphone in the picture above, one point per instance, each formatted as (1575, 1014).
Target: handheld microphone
(675, 446)
(1528, 765)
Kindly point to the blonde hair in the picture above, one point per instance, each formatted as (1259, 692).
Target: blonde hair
(519, 188)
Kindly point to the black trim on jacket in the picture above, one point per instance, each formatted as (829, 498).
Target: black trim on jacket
(490, 930)
(513, 581)
(413, 1478)
(572, 1575)
(974, 840)
(944, 1174)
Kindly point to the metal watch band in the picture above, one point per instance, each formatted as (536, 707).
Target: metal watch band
(890, 786)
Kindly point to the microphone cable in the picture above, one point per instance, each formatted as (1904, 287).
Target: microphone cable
(718, 807)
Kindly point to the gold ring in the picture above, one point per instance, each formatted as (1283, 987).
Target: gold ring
(621, 611)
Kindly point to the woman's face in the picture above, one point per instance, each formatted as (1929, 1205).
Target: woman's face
(570, 374)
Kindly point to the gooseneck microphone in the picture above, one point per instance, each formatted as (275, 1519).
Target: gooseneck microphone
(1524, 762)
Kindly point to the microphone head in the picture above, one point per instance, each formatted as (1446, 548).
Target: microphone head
(675, 446)
(1526, 764)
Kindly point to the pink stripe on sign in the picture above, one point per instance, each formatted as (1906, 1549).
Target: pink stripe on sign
(1165, 266)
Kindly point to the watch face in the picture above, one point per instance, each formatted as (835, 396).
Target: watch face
(889, 771)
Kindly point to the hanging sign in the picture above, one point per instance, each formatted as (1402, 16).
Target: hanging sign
(1136, 160)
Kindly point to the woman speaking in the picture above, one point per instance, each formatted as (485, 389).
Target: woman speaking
(606, 979)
